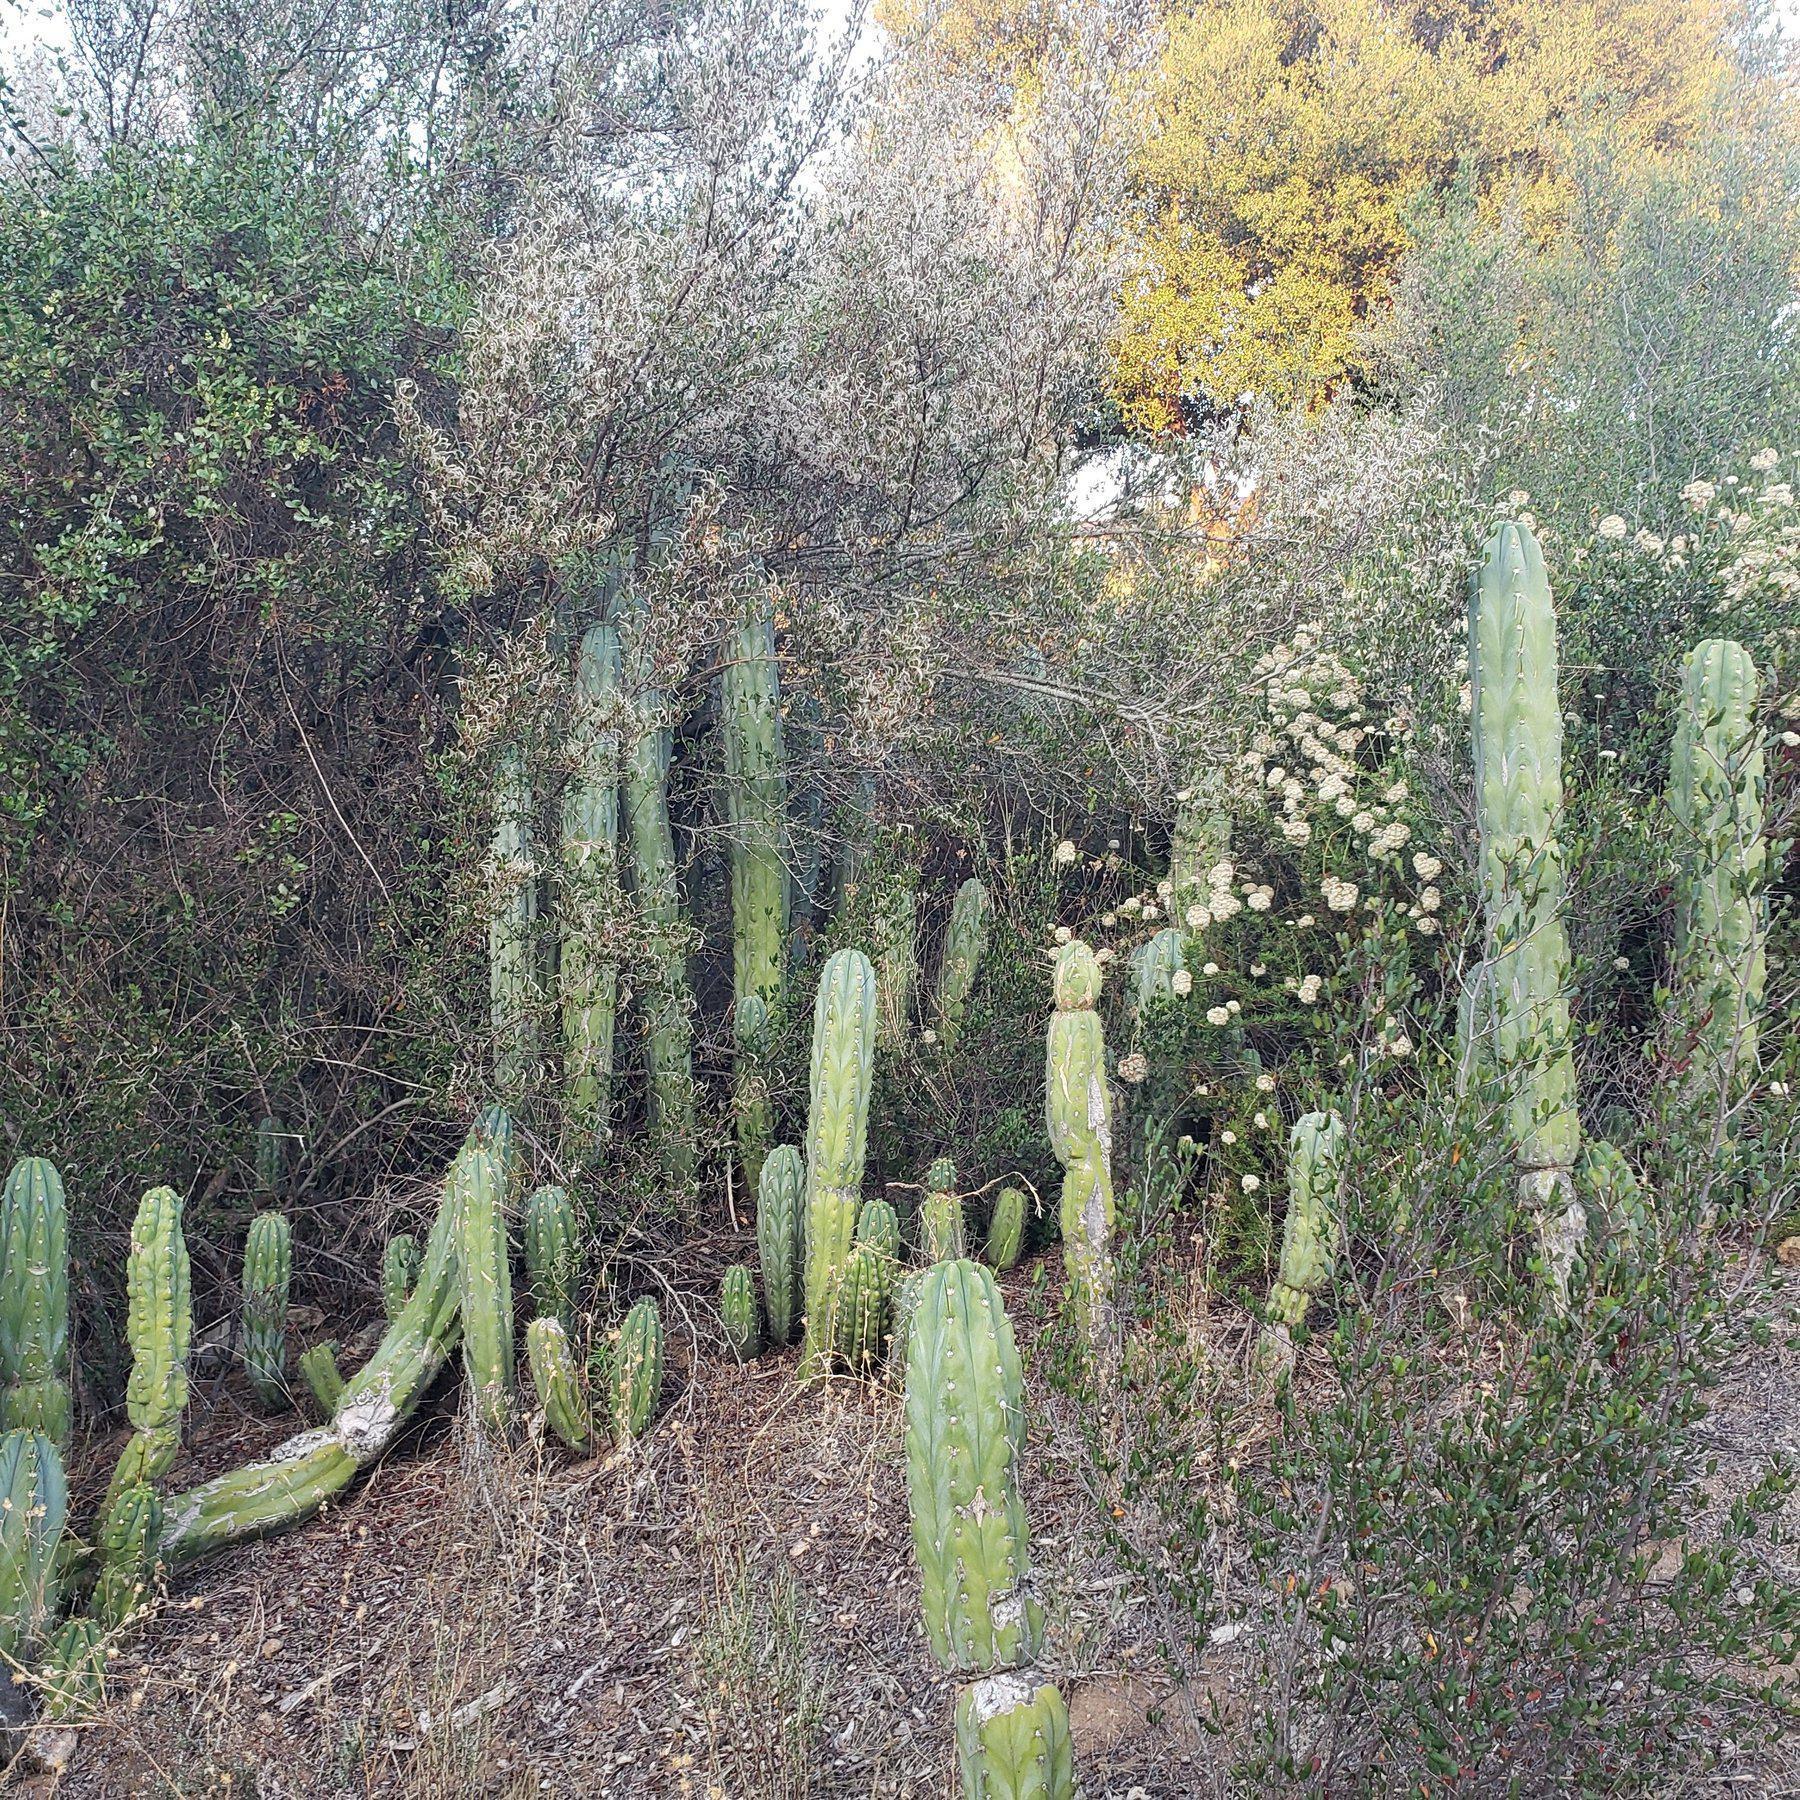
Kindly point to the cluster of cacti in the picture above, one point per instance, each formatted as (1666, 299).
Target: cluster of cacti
(843, 1046)
(34, 1505)
(324, 1380)
(484, 1264)
(637, 1371)
(1078, 1111)
(34, 1301)
(553, 1255)
(780, 1236)
(964, 1433)
(1006, 1229)
(268, 1264)
(399, 1272)
(1310, 1235)
(560, 1389)
(588, 966)
(512, 928)
(941, 1216)
(1518, 806)
(159, 1327)
(1716, 797)
(965, 944)
(739, 1312)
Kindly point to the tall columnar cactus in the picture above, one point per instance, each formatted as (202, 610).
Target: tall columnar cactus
(865, 1305)
(128, 1551)
(878, 1226)
(34, 1505)
(964, 1430)
(637, 1371)
(738, 1310)
(159, 1324)
(588, 966)
(843, 1055)
(780, 1218)
(399, 1272)
(553, 1255)
(752, 1103)
(941, 1217)
(965, 944)
(1078, 1111)
(1006, 1230)
(1012, 1740)
(300, 1475)
(484, 1259)
(318, 1367)
(560, 1389)
(756, 797)
(512, 928)
(1309, 1238)
(1721, 862)
(271, 1158)
(1518, 807)
(268, 1266)
(34, 1301)
(669, 1027)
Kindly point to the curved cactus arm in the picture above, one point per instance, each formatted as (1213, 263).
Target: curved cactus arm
(513, 989)
(159, 1327)
(268, 1268)
(740, 1314)
(399, 1272)
(780, 1215)
(34, 1301)
(1309, 1237)
(560, 1389)
(1078, 1115)
(756, 797)
(553, 1254)
(843, 1056)
(484, 1260)
(1013, 1741)
(34, 1507)
(965, 945)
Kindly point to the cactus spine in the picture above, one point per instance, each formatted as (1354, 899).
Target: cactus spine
(941, 1218)
(159, 1324)
(512, 928)
(268, 1266)
(553, 1255)
(588, 970)
(485, 1262)
(780, 1217)
(1518, 805)
(558, 1382)
(34, 1505)
(637, 1371)
(843, 1047)
(1012, 1740)
(319, 1370)
(1078, 1111)
(128, 1543)
(965, 944)
(1309, 1238)
(1716, 795)
(738, 1310)
(878, 1226)
(399, 1272)
(1006, 1230)
(751, 1104)
(34, 1301)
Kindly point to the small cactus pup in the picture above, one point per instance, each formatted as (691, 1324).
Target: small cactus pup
(865, 1306)
(268, 1265)
(399, 1272)
(319, 1370)
(780, 1216)
(34, 1301)
(1013, 1741)
(1517, 737)
(965, 945)
(587, 966)
(1006, 1230)
(271, 1158)
(34, 1506)
(637, 1371)
(739, 1311)
(1078, 1112)
(752, 1105)
(964, 1429)
(484, 1259)
(553, 1255)
(561, 1391)
(159, 1325)
(878, 1226)
(837, 1125)
(1716, 786)
(74, 1673)
(512, 928)
(128, 1545)
(941, 1217)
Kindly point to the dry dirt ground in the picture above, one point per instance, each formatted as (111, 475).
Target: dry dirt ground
(732, 1614)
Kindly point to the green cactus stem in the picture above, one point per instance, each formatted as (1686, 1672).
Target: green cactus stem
(1716, 784)
(268, 1266)
(780, 1219)
(560, 1389)
(1006, 1230)
(159, 1326)
(300, 1475)
(1012, 1740)
(756, 797)
(271, 1158)
(484, 1260)
(34, 1301)
(1154, 966)
(965, 945)
(878, 1226)
(964, 1430)
(74, 1673)
(399, 1272)
(128, 1555)
(739, 1311)
(895, 936)
(588, 967)
(512, 929)
(753, 1106)
(493, 1131)
(865, 1306)
(1309, 1237)
(553, 1255)
(637, 1371)
(319, 1370)
(1517, 736)
(1078, 1112)
(34, 1506)
(906, 1307)
(837, 1126)
(941, 1217)
(1611, 1193)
